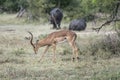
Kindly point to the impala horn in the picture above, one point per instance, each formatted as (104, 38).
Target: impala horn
(31, 40)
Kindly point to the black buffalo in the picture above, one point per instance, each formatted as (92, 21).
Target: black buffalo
(56, 16)
(77, 24)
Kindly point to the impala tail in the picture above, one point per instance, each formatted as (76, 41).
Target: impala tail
(31, 42)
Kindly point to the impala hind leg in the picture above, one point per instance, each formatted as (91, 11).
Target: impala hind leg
(44, 52)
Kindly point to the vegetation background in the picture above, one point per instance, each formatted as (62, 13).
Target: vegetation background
(72, 8)
(99, 52)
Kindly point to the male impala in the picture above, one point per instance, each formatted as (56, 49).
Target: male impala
(54, 38)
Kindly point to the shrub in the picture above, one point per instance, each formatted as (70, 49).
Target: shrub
(107, 46)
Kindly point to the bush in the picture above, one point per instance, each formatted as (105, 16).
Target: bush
(107, 46)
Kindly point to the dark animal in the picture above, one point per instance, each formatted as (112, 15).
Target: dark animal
(77, 24)
(56, 16)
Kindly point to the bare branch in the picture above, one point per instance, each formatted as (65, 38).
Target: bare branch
(106, 23)
(113, 18)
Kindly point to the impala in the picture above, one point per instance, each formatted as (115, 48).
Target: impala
(52, 39)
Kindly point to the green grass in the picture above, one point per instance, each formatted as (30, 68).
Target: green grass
(18, 61)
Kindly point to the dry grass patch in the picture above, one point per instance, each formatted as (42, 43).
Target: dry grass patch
(17, 61)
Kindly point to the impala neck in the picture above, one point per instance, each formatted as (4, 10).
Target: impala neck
(39, 44)
(43, 42)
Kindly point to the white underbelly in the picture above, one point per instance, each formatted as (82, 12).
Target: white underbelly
(60, 39)
(65, 40)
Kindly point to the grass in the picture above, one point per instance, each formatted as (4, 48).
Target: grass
(46, 70)
(10, 19)
(17, 61)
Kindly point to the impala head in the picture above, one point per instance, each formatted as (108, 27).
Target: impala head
(35, 48)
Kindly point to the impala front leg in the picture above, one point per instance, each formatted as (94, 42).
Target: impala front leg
(73, 55)
(44, 52)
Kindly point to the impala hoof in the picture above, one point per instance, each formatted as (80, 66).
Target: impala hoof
(73, 59)
(78, 58)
